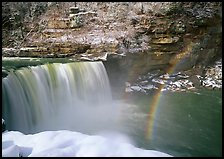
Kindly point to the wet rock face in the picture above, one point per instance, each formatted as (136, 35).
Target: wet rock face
(145, 35)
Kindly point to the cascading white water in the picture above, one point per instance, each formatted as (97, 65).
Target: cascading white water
(73, 96)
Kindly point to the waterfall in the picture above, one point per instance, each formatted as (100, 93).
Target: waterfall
(73, 96)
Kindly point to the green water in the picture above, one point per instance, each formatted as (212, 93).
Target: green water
(186, 123)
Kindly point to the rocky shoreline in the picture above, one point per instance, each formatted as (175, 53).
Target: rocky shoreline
(180, 81)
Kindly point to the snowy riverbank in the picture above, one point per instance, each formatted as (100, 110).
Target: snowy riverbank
(181, 81)
(65, 143)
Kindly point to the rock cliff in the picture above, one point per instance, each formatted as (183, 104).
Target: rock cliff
(144, 36)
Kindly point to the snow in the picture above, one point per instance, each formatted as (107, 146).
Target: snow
(136, 88)
(64, 143)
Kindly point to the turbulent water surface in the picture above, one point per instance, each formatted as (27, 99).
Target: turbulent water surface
(77, 96)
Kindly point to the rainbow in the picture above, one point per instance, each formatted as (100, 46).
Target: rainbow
(155, 99)
(152, 111)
